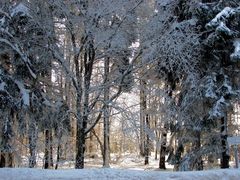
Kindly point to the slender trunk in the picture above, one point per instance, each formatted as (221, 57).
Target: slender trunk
(59, 146)
(51, 149)
(156, 150)
(157, 137)
(48, 157)
(79, 164)
(106, 112)
(32, 143)
(6, 155)
(58, 155)
(198, 163)
(144, 123)
(225, 155)
(142, 117)
(147, 144)
(163, 149)
(164, 131)
(99, 141)
(178, 155)
(46, 153)
(80, 138)
(90, 145)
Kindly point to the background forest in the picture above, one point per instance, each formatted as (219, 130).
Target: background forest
(105, 78)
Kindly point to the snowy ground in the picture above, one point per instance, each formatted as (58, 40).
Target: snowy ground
(129, 167)
(111, 174)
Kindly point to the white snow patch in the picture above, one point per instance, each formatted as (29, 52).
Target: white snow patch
(2, 86)
(24, 92)
(220, 20)
(219, 108)
(221, 17)
(20, 9)
(164, 2)
(203, 6)
(236, 55)
(227, 85)
(108, 173)
(223, 28)
(210, 92)
(2, 21)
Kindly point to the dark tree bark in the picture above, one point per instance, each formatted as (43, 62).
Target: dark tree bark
(198, 163)
(80, 148)
(90, 147)
(163, 149)
(48, 156)
(157, 134)
(99, 141)
(225, 155)
(51, 149)
(106, 157)
(6, 155)
(88, 59)
(32, 143)
(58, 155)
(147, 144)
(144, 123)
(46, 153)
(178, 156)
(142, 117)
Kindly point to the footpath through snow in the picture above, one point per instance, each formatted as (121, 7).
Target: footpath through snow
(112, 174)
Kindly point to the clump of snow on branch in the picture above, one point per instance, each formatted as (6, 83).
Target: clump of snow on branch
(219, 22)
(20, 9)
(219, 109)
(236, 55)
(2, 86)
(24, 93)
(210, 88)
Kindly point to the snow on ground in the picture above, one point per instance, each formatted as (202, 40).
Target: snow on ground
(127, 166)
(111, 174)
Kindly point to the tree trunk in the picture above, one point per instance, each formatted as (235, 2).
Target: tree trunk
(163, 149)
(147, 144)
(58, 155)
(90, 146)
(198, 163)
(156, 150)
(80, 137)
(79, 164)
(178, 155)
(106, 150)
(225, 155)
(32, 143)
(142, 118)
(144, 123)
(157, 134)
(46, 153)
(51, 149)
(100, 143)
(6, 159)
(88, 60)
(48, 157)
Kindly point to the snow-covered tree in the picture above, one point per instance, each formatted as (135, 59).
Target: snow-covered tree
(192, 45)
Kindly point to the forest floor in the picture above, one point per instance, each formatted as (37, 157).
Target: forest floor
(127, 167)
(127, 161)
(112, 174)
(130, 162)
